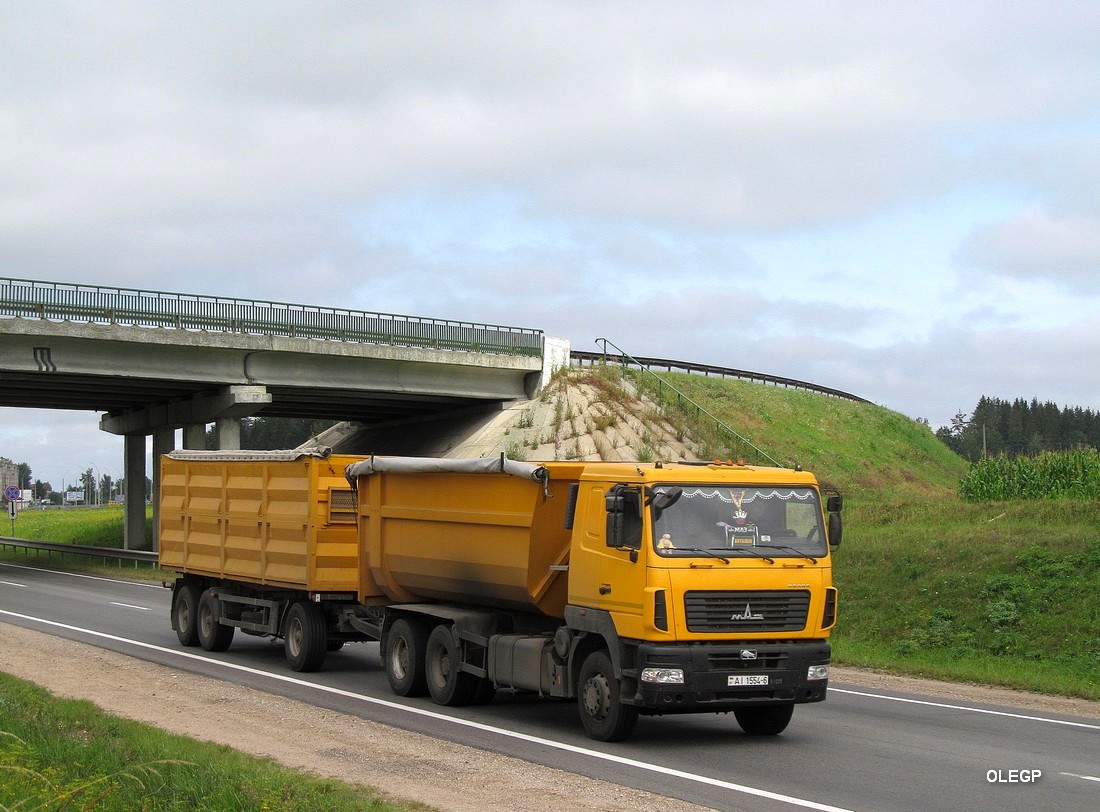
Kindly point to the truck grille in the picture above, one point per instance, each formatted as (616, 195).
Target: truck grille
(747, 611)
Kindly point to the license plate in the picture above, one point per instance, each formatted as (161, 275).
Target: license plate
(748, 680)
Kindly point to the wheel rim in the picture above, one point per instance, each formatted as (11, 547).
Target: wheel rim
(441, 667)
(206, 621)
(399, 658)
(183, 614)
(294, 638)
(597, 697)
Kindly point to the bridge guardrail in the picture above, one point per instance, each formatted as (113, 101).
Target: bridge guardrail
(107, 305)
(50, 547)
(709, 369)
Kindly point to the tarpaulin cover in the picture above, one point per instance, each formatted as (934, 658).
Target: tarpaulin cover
(436, 465)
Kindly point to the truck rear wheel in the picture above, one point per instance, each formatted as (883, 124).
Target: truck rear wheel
(185, 610)
(447, 684)
(213, 636)
(306, 637)
(604, 716)
(769, 720)
(406, 642)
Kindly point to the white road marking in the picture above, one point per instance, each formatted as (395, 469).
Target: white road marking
(81, 575)
(549, 743)
(131, 606)
(12, 583)
(967, 708)
(1083, 777)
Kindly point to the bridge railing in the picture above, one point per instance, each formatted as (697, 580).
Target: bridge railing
(60, 301)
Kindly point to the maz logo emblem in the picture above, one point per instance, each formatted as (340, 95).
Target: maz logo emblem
(42, 358)
(748, 614)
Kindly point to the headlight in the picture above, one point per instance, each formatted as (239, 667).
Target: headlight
(666, 676)
(817, 672)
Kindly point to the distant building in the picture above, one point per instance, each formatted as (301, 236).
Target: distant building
(9, 473)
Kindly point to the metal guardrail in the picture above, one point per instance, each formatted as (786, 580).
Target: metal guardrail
(50, 547)
(97, 304)
(709, 369)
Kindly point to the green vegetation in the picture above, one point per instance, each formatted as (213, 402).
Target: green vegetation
(88, 526)
(997, 592)
(1050, 475)
(64, 754)
(92, 526)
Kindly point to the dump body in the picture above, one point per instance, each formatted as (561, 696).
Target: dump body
(491, 539)
(273, 520)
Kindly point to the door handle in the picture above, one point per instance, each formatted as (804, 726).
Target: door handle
(605, 589)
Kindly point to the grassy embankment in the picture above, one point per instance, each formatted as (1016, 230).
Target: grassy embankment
(65, 754)
(997, 592)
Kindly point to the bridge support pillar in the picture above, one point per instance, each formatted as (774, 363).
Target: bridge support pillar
(194, 436)
(133, 522)
(227, 433)
(164, 442)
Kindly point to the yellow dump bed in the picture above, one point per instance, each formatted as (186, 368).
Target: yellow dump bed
(454, 530)
(285, 519)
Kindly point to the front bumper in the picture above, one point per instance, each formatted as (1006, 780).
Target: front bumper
(713, 675)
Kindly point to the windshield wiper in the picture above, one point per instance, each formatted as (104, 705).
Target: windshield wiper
(705, 552)
(789, 550)
(755, 552)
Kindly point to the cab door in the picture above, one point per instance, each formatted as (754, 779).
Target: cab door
(618, 575)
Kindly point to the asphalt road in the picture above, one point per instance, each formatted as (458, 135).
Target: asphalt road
(860, 750)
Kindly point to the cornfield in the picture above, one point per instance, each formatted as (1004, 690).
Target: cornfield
(1050, 475)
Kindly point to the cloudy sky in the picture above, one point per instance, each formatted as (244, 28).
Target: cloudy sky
(896, 199)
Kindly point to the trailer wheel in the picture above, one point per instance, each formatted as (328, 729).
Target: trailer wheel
(213, 636)
(604, 716)
(447, 684)
(769, 720)
(185, 610)
(406, 642)
(306, 637)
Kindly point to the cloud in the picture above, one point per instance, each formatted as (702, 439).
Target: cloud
(1038, 245)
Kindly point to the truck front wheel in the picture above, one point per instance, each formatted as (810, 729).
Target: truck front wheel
(769, 720)
(305, 639)
(213, 636)
(447, 684)
(185, 610)
(406, 642)
(604, 716)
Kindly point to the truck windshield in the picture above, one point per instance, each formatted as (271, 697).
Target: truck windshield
(774, 522)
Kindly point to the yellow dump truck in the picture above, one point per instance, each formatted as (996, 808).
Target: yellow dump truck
(635, 589)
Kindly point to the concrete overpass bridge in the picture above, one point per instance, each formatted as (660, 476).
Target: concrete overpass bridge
(155, 362)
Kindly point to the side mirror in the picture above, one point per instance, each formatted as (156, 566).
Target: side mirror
(624, 518)
(835, 503)
(661, 500)
(836, 529)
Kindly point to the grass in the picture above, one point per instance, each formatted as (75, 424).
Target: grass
(88, 526)
(66, 754)
(92, 526)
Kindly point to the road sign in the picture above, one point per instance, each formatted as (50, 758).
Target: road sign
(12, 492)
(11, 511)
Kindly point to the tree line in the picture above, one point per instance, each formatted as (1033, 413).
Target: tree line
(1020, 428)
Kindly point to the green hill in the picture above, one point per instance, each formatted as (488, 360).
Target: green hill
(998, 592)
